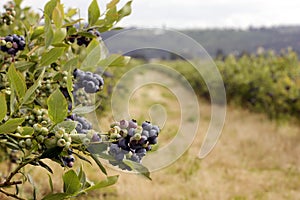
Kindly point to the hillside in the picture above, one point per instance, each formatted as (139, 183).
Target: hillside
(224, 40)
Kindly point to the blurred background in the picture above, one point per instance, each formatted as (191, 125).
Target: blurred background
(255, 45)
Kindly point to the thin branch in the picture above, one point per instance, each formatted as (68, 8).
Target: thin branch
(11, 195)
(6, 184)
(32, 50)
(12, 174)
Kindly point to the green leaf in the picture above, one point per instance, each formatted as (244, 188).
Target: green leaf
(51, 56)
(112, 3)
(3, 109)
(57, 107)
(111, 16)
(115, 60)
(86, 109)
(71, 182)
(37, 32)
(11, 125)
(49, 7)
(93, 55)
(57, 196)
(97, 148)
(70, 85)
(138, 168)
(59, 35)
(70, 64)
(102, 168)
(17, 81)
(67, 125)
(33, 88)
(27, 131)
(125, 10)
(94, 12)
(12, 101)
(105, 183)
(49, 34)
(58, 16)
(82, 177)
(12, 145)
(71, 12)
(23, 65)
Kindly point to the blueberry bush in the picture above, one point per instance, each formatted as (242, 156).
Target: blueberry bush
(48, 82)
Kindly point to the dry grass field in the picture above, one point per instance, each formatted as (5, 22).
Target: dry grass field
(255, 158)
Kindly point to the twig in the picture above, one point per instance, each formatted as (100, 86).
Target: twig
(12, 174)
(32, 50)
(11, 195)
(6, 184)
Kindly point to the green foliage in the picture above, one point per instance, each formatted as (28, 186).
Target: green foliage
(57, 107)
(37, 94)
(265, 83)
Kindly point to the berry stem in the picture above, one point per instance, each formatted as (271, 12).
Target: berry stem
(32, 50)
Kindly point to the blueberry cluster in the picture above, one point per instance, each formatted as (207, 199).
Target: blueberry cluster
(11, 44)
(131, 141)
(8, 17)
(83, 40)
(68, 160)
(90, 82)
(36, 116)
(83, 125)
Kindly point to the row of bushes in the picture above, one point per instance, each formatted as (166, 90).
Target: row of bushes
(266, 83)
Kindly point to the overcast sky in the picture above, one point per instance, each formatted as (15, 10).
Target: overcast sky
(200, 13)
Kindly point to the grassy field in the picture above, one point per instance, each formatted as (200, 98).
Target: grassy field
(255, 158)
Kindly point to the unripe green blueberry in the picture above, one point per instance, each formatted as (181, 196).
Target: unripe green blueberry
(9, 45)
(37, 128)
(22, 144)
(28, 142)
(67, 146)
(39, 113)
(139, 130)
(118, 129)
(13, 13)
(115, 124)
(86, 141)
(39, 118)
(48, 86)
(113, 131)
(124, 132)
(61, 142)
(40, 138)
(45, 117)
(44, 123)
(60, 133)
(115, 136)
(137, 136)
(2, 42)
(44, 131)
(67, 137)
(65, 79)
